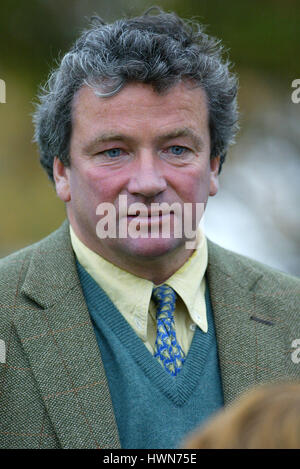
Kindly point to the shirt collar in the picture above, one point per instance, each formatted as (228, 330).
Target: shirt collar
(189, 282)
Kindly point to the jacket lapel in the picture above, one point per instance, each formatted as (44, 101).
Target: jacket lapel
(59, 341)
(253, 344)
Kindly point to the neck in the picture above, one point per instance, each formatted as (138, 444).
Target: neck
(155, 268)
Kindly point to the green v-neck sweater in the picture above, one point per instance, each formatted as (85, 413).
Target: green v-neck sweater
(153, 409)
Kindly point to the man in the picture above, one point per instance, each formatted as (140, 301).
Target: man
(131, 340)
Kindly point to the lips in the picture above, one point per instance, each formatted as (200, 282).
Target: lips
(151, 214)
(152, 219)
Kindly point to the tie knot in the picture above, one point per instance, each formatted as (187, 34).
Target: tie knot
(165, 298)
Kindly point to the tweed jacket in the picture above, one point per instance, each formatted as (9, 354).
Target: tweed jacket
(53, 388)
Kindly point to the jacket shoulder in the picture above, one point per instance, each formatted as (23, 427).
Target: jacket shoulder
(13, 268)
(242, 268)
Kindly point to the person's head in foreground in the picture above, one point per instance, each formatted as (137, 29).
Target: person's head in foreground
(266, 417)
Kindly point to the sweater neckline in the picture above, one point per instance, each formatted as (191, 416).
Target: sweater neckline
(179, 388)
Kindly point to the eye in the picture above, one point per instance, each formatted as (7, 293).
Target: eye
(113, 152)
(178, 150)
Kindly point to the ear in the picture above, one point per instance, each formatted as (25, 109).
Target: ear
(214, 175)
(61, 175)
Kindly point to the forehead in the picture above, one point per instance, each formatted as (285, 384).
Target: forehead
(136, 103)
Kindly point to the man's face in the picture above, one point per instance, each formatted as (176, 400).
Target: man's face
(151, 148)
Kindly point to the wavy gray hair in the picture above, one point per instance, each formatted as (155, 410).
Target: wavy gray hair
(158, 49)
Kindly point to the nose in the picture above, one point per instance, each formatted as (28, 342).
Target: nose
(146, 177)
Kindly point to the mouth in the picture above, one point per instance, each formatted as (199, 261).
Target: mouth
(150, 216)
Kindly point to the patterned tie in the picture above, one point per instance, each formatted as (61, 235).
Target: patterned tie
(167, 350)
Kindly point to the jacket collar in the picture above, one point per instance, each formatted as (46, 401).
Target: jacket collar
(51, 273)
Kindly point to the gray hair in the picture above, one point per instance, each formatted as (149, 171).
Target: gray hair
(157, 49)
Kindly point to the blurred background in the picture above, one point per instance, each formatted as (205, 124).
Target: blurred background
(256, 211)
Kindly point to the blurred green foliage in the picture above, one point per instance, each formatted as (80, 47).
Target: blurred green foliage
(263, 34)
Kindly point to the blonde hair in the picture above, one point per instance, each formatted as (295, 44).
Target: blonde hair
(266, 417)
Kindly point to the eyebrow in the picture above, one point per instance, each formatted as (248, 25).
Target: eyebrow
(110, 136)
(106, 137)
(185, 132)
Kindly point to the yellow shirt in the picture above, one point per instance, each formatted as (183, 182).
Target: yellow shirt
(132, 294)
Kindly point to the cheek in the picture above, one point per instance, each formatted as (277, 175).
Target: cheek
(101, 185)
(192, 185)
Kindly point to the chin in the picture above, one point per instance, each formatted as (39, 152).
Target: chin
(151, 248)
